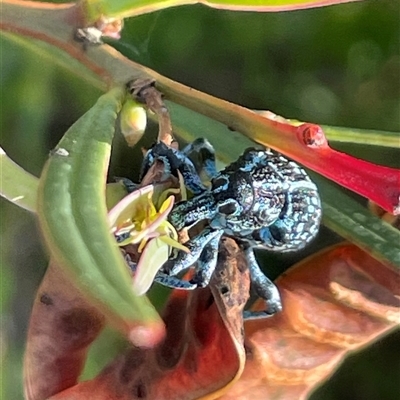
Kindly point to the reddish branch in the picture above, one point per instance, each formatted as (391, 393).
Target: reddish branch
(306, 144)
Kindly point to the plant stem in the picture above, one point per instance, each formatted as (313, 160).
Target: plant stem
(144, 91)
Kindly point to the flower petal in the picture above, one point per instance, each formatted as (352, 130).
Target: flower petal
(154, 255)
(167, 204)
(182, 186)
(152, 226)
(131, 205)
(162, 196)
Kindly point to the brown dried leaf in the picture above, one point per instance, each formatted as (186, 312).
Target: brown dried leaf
(334, 302)
(62, 326)
(203, 353)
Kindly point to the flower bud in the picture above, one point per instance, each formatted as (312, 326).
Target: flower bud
(133, 121)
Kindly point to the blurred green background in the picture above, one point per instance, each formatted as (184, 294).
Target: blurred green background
(337, 65)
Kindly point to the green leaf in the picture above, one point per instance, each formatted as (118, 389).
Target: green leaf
(73, 217)
(128, 8)
(17, 185)
(362, 136)
(55, 56)
(20, 187)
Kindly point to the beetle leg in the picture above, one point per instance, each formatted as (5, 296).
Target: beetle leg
(188, 212)
(132, 265)
(164, 279)
(173, 160)
(264, 288)
(191, 177)
(173, 282)
(207, 262)
(183, 260)
(206, 155)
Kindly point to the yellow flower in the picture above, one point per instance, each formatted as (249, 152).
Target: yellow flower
(136, 219)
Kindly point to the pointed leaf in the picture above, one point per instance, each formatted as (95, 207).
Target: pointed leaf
(17, 185)
(73, 218)
(361, 136)
(306, 144)
(126, 8)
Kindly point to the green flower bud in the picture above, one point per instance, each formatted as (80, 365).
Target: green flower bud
(133, 121)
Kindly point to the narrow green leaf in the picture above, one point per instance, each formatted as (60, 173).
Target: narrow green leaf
(73, 217)
(55, 56)
(350, 219)
(16, 184)
(360, 136)
(270, 5)
(128, 8)
(20, 187)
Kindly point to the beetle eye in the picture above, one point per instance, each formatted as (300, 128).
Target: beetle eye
(248, 154)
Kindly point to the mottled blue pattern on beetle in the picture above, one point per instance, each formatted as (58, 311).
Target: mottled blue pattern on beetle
(262, 198)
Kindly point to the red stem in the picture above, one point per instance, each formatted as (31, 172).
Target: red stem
(378, 183)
